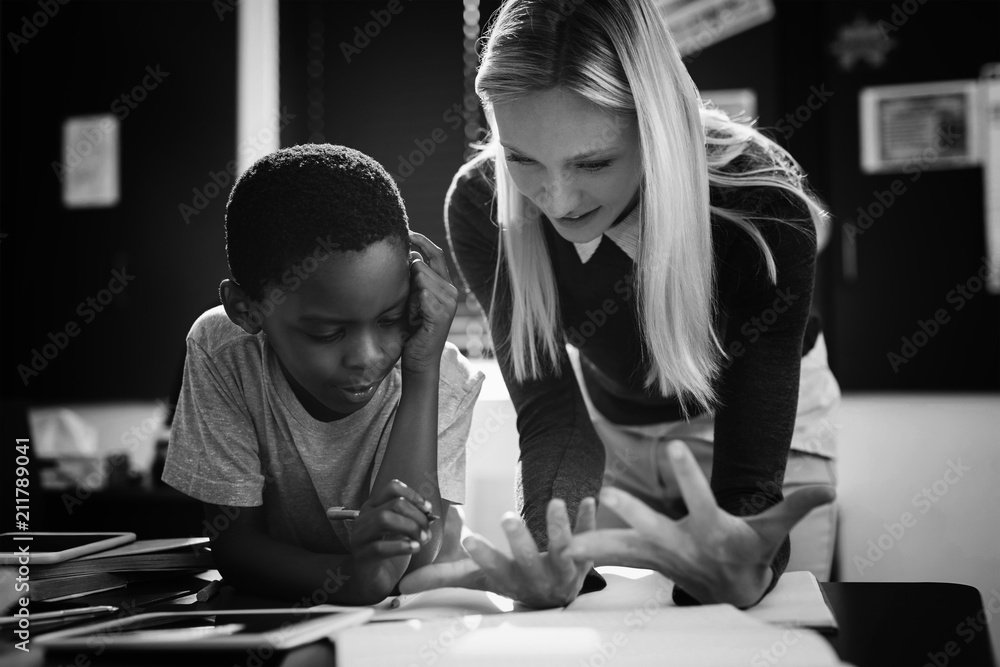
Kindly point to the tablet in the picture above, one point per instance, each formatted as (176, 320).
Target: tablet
(43, 548)
(276, 629)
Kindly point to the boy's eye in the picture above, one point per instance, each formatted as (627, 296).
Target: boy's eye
(391, 321)
(331, 337)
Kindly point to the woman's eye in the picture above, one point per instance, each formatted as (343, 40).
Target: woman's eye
(391, 322)
(517, 159)
(595, 166)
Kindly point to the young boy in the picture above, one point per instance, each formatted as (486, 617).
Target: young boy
(324, 380)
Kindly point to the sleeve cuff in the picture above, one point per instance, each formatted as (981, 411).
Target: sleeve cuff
(593, 582)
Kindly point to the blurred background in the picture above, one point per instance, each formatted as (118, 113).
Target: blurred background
(124, 124)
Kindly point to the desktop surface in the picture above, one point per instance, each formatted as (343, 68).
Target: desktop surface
(913, 624)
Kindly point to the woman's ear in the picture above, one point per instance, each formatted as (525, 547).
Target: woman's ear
(239, 307)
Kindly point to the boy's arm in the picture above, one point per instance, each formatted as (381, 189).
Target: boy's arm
(247, 556)
(411, 454)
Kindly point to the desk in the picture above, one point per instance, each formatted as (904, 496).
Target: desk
(881, 624)
(908, 624)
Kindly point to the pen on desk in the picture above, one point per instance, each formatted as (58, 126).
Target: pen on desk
(344, 514)
(205, 594)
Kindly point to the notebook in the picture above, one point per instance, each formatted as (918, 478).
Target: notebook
(644, 635)
(796, 600)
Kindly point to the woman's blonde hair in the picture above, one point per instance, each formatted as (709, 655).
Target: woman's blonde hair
(619, 55)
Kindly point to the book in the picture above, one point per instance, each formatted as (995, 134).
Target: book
(176, 554)
(61, 588)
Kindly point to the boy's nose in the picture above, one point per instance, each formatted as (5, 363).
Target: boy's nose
(365, 357)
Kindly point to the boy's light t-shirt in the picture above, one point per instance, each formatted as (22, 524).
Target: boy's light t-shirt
(241, 438)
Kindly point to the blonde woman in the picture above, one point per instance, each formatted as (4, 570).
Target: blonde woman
(647, 268)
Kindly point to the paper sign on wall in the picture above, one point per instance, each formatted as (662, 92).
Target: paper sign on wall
(90, 171)
(989, 88)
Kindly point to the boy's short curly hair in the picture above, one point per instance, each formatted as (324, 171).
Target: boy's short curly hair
(289, 201)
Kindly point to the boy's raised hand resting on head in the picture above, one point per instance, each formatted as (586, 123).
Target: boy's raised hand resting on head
(432, 306)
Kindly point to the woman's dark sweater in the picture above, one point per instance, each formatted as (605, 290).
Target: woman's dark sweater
(763, 327)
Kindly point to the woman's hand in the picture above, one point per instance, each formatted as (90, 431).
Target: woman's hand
(714, 556)
(549, 579)
(393, 522)
(432, 306)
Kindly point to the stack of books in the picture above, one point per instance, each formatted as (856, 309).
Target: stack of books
(116, 567)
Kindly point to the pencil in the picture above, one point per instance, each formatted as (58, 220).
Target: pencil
(206, 594)
(341, 514)
(344, 514)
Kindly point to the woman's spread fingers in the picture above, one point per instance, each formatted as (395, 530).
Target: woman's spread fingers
(522, 545)
(774, 524)
(636, 513)
(560, 533)
(462, 573)
(613, 545)
(557, 525)
(586, 515)
(694, 486)
(488, 558)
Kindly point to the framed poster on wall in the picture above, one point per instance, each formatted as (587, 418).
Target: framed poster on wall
(915, 127)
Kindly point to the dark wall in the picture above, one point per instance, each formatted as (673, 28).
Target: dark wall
(930, 236)
(79, 62)
(391, 86)
(928, 240)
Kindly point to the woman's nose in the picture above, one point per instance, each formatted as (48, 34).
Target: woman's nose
(559, 197)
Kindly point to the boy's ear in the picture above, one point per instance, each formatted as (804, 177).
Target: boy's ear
(239, 306)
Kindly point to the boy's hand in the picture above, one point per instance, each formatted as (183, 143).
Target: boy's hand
(432, 306)
(393, 522)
